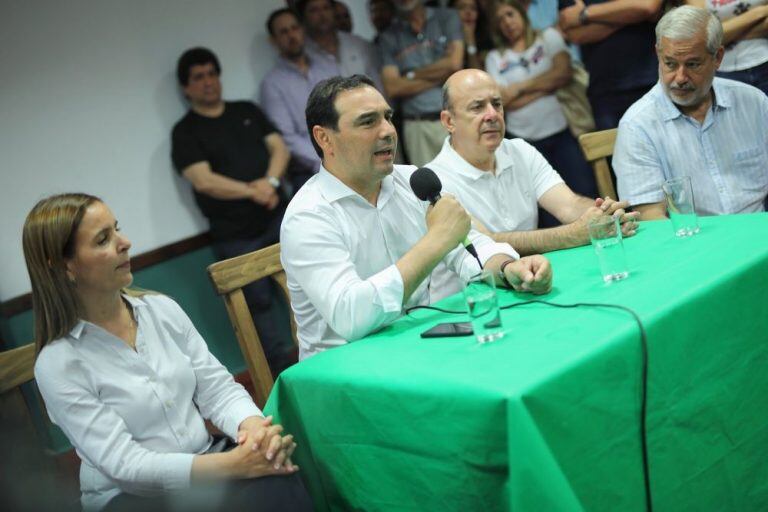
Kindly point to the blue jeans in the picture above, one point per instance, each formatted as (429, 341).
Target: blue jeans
(259, 296)
(563, 153)
(757, 76)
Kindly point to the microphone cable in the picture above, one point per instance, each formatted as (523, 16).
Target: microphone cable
(643, 370)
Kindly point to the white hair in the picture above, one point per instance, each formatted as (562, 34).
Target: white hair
(686, 22)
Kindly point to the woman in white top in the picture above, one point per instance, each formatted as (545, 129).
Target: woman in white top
(745, 36)
(130, 381)
(530, 66)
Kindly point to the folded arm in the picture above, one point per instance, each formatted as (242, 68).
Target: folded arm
(746, 25)
(206, 181)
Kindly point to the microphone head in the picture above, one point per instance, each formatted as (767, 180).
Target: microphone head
(425, 184)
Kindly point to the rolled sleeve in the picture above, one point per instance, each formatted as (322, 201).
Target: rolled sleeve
(389, 289)
(352, 306)
(639, 173)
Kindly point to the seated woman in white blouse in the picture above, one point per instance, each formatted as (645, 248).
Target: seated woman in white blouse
(130, 381)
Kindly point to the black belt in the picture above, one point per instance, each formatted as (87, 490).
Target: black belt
(428, 116)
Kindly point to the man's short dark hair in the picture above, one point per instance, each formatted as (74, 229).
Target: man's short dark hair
(276, 14)
(321, 110)
(195, 57)
(300, 8)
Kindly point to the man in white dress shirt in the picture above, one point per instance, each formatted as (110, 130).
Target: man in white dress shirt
(356, 243)
(502, 182)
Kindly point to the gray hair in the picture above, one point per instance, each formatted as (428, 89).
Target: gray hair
(686, 22)
(446, 97)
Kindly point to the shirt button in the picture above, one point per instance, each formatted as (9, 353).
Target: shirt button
(168, 404)
(182, 432)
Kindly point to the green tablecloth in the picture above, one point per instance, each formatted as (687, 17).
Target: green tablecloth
(547, 418)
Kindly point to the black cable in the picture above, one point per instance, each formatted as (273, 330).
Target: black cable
(643, 371)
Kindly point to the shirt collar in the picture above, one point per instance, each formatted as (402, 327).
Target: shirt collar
(451, 159)
(669, 110)
(333, 189)
(287, 64)
(77, 331)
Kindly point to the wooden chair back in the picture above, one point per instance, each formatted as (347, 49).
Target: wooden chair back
(24, 445)
(229, 277)
(597, 147)
(16, 368)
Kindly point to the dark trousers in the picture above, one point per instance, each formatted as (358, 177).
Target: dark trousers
(275, 338)
(563, 153)
(265, 494)
(608, 108)
(757, 76)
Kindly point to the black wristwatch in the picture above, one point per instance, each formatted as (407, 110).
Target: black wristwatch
(583, 16)
(502, 276)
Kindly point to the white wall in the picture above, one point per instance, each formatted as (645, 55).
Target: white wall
(88, 97)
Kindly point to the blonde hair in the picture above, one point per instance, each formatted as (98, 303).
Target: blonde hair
(48, 239)
(498, 38)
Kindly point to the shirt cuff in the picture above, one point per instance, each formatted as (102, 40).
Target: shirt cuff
(488, 251)
(236, 413)
(177, 471)
(389, 289)
(650, 197)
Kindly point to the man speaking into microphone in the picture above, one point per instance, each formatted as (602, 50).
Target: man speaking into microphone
(357, 245)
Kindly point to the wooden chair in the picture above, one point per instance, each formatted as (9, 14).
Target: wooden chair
(597, 147)
(16, 368)
(24, 447)
(229, 277)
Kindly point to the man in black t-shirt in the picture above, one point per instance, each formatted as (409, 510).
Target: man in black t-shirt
(618, 49)
(235, 159)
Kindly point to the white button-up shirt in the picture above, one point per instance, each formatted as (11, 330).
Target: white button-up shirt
(339, 253)
(136, 418)
(504, 200)
(726, 156)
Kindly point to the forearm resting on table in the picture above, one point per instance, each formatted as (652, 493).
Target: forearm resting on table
(542, 240)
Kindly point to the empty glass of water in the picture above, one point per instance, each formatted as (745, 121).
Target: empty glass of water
(605, 234)
(483, 307)
(678, 193)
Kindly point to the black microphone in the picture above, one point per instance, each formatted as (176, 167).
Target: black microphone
(426, 185)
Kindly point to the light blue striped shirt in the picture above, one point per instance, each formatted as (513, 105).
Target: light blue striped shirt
(726, 156)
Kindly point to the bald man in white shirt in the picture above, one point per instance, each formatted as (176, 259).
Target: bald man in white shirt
(502, 182)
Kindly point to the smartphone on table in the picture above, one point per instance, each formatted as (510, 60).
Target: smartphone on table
(449, 330)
